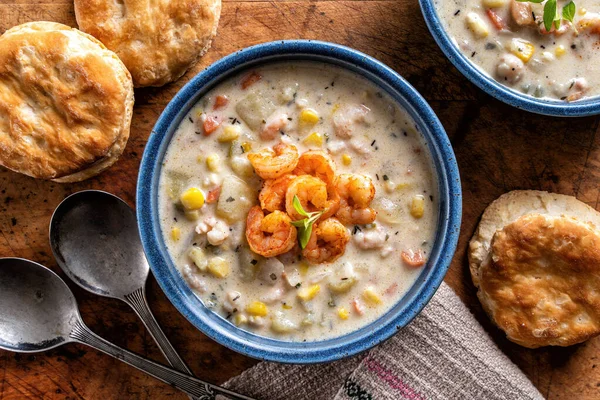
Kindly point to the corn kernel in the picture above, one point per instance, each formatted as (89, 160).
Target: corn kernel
(308, 116)
(343, 313)
(522, 49)
(477, 25)
(371, 297)
(314, 139)
(230, 133)
(417, 206)
(247, 146)
(218, 267)
(175, 233)
(192, 199)
(286, 306)
(240, 319)
(198, 113)
(560, 51)
(212, 162)
(198, 258)
(493, 3)
(582, 11)
(257, 308)
(346, 159)
(309, 293)
(335, 107)
(303, 267)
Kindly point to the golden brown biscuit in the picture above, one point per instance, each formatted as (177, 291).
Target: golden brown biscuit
(65, 102)
(158, 41)
(512, 205)
(541, 284)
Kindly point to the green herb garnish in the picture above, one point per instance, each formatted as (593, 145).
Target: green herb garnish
(304, 225)
(551, 15)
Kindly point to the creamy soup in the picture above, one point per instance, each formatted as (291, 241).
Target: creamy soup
(509, 41)
(298, 201)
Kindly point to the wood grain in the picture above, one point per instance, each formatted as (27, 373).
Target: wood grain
(498, 149)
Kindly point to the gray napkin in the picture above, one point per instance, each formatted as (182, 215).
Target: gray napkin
(443, 354)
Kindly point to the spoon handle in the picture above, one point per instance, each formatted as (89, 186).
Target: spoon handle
(187, 384)
(137, 301)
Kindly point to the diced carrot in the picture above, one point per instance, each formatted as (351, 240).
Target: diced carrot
(250, 79)
(497, 20)
(213, 195)
(220, 102)
(358, 307)
(413, 259)
(210, 125)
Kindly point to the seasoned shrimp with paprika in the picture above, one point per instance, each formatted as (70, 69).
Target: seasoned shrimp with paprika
(327, 242)
(272, 194)
(269, 235)
(314, 195)
(316, 163)
(356, 193)
(276, 162)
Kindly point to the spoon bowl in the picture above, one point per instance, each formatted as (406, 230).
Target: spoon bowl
(37, 309)
(95, 239)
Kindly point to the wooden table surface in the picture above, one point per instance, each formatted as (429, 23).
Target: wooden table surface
(498, 149)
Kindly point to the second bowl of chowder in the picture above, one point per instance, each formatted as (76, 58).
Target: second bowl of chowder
(299, 201)
(503, 47)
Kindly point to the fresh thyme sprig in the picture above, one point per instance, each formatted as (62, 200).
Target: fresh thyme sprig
(304, 225)
(551, 15)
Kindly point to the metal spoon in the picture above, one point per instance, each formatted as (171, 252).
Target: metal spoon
(38, 312)
(95, 240)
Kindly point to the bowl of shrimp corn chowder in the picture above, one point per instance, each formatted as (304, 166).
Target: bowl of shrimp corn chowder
(540, 56)
(299, 201)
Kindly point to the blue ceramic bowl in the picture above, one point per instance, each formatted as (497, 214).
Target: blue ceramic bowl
(265, 348)
(489, 85)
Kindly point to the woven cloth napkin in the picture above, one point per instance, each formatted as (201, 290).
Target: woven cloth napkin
(442, 354)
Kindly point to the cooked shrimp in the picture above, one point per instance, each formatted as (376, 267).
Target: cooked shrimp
(356, 193)
(590, 22)
(510, 68)
(327, 242)
(316, 163)
(521, 13)
(272, 194)
(273, 163)
(274, 124)
(314, 195)
(269, 235)
(346, 117)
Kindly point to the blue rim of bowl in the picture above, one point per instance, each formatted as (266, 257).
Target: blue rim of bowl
(555, 108)
(265, 348)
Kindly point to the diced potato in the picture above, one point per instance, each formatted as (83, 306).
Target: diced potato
(218, 266)
(371, 296)
(248, 263)
(176, 181)
(213, 162)
(254, 109)
(417, 206)
(346, 159)
(522, 49)
(192, 199)
(343, 313)
(229, 133)
(280, 324)
(235, 200)
(308, 293)
(287, 94)
(314, 139)
(242, 166)
(240, 319)
(198, 257)
(175, 233)
(477, 25)
(308, 116)
(342, 286)
(257, 308)
(493, 3)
